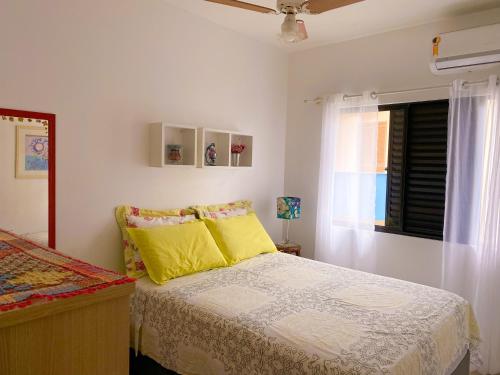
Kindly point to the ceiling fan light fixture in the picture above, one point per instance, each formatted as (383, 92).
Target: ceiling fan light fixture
(289, 25)
(302, 30)
(290, 29)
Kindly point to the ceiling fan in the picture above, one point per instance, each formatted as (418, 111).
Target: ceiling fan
(293, 30)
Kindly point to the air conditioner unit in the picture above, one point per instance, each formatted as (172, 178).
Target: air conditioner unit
(466, 50)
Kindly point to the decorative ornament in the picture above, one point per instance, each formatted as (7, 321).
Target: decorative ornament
(210, 154)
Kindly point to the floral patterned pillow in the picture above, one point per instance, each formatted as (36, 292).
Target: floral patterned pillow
(224, 214)
(133, 262)
(151, 221)
(217, 211)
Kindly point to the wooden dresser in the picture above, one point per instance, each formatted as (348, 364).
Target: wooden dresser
(60, 315)
(81, 335)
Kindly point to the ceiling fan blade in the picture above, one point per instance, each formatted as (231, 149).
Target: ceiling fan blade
(302, 30)
(321, 6)
(244, 5)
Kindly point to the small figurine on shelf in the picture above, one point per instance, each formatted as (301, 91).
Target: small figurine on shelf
(210, 154)
(174, 154)
(236, 151)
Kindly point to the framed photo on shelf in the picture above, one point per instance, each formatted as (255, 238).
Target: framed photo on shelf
(32, 152)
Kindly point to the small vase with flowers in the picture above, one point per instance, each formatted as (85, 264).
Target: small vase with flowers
(236, 151)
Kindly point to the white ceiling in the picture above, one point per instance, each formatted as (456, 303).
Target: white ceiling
(365, 18)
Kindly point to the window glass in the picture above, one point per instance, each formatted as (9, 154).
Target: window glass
(355, 168)
(382, 153)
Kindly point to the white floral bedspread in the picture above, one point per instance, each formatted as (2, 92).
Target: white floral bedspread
(281, 314)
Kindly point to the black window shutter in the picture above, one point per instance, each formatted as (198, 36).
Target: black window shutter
(425, 169)
(396, 167)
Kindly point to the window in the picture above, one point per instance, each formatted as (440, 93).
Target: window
(415, 182)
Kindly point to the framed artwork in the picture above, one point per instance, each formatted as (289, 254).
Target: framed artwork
(32, 152)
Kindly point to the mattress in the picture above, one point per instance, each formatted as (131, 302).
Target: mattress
(281, 314)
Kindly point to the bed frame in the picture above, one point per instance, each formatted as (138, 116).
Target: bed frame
(143, 365)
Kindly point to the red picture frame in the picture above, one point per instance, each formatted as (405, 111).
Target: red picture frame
(51, 120)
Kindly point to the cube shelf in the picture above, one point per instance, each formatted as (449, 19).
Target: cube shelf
(221, 140)
(246, 155)
(172, 145)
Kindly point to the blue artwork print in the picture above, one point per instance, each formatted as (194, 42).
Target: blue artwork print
(36, 153)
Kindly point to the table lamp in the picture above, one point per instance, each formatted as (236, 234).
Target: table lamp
(288, 208)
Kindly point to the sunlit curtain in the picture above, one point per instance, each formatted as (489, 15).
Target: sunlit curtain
(471, 250)
(347, 182)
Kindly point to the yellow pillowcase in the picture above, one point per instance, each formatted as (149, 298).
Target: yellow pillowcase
(176, 250)
(240, 237)
(133, 262)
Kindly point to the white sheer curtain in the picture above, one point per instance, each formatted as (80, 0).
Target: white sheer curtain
(347, 182)
(471, 250)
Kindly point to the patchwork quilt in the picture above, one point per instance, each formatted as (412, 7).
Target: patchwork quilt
(281, 314)
(30, 272)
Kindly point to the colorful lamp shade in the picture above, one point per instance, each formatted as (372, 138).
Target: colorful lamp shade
(288, 208)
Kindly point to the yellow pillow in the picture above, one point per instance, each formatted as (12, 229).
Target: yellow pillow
(133, 262)
(176, 250)
(240, 237)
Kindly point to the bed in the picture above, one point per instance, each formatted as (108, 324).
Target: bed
(281, 314)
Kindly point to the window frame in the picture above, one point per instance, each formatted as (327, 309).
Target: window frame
(392, 229)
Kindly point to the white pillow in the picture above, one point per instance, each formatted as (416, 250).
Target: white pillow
(156, 221)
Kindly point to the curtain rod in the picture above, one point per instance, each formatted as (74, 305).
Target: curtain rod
(373, 94)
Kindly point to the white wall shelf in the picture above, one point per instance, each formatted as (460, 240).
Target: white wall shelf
(162, 134)
(223, 139)
(193, 143)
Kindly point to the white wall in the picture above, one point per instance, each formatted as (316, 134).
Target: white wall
(394, 60)
(108, 68)
(23, 202)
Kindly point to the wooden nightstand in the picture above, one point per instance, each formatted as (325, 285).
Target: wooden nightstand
(289, 248)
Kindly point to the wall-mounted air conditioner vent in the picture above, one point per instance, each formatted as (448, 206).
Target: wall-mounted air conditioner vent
(466, 50)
